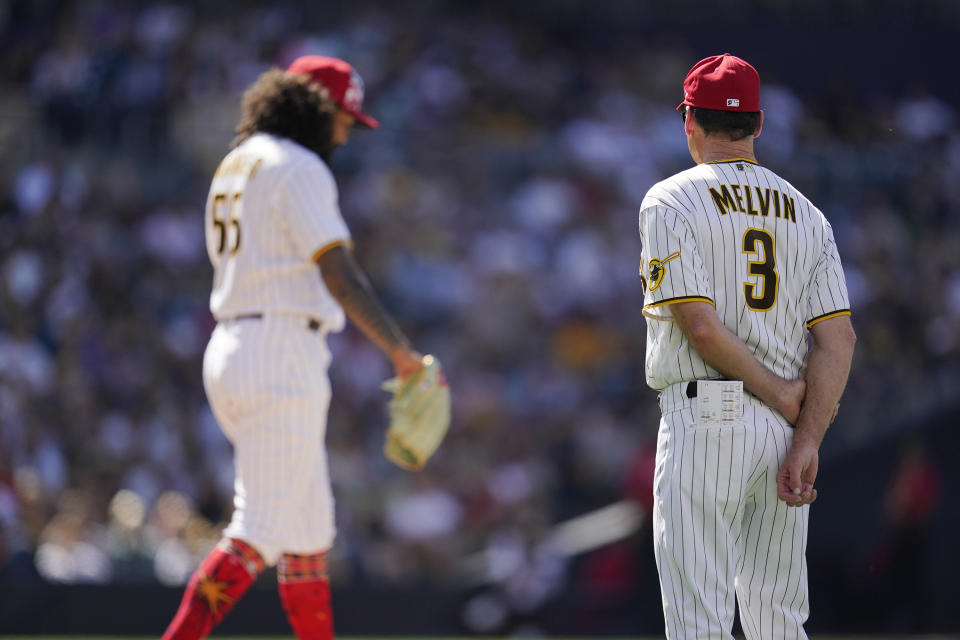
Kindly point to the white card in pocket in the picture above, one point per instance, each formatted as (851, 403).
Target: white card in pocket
(719, 402)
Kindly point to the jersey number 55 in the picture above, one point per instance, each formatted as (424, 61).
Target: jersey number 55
(226, 223)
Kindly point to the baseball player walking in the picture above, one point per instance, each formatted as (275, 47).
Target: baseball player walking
(272, 218)
(739, 270)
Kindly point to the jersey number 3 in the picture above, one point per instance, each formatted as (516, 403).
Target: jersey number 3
(225, 220)
(764, 267)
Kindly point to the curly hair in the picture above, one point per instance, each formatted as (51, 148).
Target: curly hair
(291, 106)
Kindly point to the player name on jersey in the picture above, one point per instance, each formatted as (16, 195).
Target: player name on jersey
(740, 198)
(241, 164)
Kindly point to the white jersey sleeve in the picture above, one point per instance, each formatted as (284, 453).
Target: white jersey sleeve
(828, 296)
(308, 203)
(672, 269)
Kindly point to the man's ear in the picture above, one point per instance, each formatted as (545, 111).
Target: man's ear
(756, 134)
(688, 122)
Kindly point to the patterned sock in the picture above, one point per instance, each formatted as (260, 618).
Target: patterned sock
(220, 580)
(305, 594)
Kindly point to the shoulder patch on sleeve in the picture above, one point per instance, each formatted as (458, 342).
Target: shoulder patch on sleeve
(657, 269)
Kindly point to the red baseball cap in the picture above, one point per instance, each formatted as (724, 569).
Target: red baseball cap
(724, 83)
(340, 79)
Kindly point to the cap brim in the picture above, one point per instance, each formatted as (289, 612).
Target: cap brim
(363, 119)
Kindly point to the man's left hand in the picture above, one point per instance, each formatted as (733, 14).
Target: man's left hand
(797, 474)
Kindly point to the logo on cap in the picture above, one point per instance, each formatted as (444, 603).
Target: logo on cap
(353, 96)
(733, 102)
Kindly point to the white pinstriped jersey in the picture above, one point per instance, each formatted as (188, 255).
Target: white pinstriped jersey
(272, 209)
(736, 235)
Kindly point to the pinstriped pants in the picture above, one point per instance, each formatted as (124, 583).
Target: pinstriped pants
(719, 529)
(267, 384)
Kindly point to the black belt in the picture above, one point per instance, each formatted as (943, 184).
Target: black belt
(692, 387)
(312, 323)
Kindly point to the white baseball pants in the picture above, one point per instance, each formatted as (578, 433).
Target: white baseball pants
(266, 380)
(719, 529)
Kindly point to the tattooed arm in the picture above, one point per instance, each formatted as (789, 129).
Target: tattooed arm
(349, 285)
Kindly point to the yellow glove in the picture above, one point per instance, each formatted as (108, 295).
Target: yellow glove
(419, 415)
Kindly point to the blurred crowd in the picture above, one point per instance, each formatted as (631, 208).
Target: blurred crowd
(495, 210)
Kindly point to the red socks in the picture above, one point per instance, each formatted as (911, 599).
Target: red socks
(222, 578)
(305, 594)
(226, 574)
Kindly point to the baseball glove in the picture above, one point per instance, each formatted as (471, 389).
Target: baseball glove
(419, 415)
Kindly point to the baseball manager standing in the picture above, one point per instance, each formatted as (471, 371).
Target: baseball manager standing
(749, 343)
(284, 277)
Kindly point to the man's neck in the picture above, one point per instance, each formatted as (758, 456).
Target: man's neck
(719, 150)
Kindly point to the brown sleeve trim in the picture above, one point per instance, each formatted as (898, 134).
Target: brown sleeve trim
(827, 316)
(673, 301)
(331, 245)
